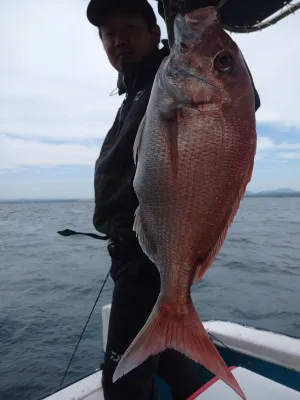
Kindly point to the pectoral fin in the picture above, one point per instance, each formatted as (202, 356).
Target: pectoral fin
(172, 138)
(138, 140)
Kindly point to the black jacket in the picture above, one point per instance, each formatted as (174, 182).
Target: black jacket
(115, 199)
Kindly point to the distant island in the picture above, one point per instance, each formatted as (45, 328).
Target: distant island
(285, 192)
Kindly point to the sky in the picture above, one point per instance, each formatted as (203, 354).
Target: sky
(56, 107)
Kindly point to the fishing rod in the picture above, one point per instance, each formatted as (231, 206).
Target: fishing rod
(279, 15)
(70, 232)
(171, 8)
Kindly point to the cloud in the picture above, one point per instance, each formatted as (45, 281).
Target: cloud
(274, 60)
(290, 155)
(55, 78)
(16, 152)
(266, 143)
(268, 147)
(55, 107)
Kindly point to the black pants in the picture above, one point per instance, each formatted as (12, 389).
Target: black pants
(137, 285)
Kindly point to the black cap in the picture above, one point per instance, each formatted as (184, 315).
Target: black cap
(97, 10)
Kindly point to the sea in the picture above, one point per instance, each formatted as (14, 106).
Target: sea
(49, 284)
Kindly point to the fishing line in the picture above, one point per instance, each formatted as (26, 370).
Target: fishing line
(236, 353)
(255, 368)
(86, 324)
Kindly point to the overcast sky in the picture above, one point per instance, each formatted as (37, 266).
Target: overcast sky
(55, 103)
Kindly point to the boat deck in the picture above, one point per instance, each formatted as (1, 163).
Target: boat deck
(89, 388)
(255, 387)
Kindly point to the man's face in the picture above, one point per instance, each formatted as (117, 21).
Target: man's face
(126, 38)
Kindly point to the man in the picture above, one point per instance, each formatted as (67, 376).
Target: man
(130, 37)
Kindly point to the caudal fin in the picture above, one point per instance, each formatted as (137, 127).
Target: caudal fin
(185, 334)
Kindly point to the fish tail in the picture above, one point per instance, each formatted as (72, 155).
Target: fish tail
(184, 333)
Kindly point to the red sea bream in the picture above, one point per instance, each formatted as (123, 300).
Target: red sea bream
(194, 154)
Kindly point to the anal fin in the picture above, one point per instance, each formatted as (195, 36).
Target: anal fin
(146, 243)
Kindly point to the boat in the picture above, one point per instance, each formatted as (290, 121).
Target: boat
(266, 365)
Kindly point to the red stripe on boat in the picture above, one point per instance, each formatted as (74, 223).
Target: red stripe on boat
(206, 386)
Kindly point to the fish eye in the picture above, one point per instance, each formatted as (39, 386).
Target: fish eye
(224, 62)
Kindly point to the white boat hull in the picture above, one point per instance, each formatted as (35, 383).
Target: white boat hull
(271, 351)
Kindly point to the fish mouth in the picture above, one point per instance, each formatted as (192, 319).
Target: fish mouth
(206, 14)
(190, 28)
